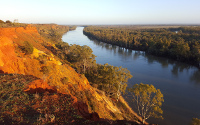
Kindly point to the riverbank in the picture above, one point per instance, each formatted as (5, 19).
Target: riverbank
(179, 82)
(183, 46)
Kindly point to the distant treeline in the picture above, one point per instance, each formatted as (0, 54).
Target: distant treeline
(179, 43)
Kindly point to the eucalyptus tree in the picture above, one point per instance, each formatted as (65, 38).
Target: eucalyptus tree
(148, 100)
(111, 79)
(81, 57)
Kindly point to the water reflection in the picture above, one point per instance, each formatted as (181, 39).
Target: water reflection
(113, 48)
(177, 67)
(196, 77)
(137, 54)
(104, 45)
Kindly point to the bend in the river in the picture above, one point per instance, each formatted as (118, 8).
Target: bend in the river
(179, 82)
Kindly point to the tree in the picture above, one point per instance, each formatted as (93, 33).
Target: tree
(196, 52)
(122, 75)
(88, 59)
(181, 49)
(81, 57)
(111, 79)
(148, 100)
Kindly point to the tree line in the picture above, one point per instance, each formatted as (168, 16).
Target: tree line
(181, 43)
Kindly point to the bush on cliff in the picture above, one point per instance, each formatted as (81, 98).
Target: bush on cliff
(27, 47)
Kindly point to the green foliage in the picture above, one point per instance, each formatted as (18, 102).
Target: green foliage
(195, 121)
(27, 48)
(81, 57)
(111, 79)
(63, 46)
(148, 100)
(165, 42)
(62, 52)
(52, 32)
(108, 78)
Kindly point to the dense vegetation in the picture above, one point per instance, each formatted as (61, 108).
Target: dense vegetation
(180, 43)
(112, 80)
(53, 32)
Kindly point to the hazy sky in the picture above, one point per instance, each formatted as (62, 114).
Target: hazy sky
(102, 11)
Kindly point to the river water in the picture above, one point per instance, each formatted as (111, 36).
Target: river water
(179, 82)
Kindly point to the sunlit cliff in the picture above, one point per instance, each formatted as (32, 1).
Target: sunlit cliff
(52, 76)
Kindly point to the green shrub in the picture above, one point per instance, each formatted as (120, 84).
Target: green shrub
(27, 48)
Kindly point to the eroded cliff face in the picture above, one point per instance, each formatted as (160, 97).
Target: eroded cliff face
(11, 59)
(55, 76)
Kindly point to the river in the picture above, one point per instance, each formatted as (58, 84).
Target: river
(179, 82)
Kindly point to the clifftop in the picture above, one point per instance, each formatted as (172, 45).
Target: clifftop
(14, 30)
(49, 72)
